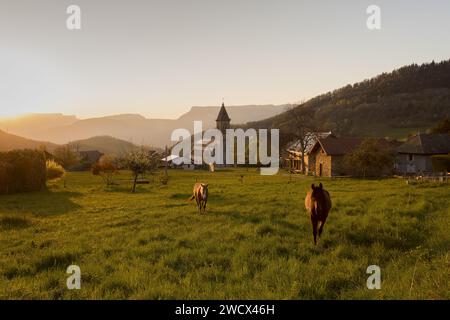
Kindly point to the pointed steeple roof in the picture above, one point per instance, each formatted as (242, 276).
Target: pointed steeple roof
(223, 115)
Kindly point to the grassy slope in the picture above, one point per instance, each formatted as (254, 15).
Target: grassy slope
(255, 241)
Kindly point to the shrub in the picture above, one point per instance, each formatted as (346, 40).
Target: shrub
(54, 170)
(441, 163)
(22, 171)
(107, 167)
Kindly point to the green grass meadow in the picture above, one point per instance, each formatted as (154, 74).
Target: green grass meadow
(255, 241)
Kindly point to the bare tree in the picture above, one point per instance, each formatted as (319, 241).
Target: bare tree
(303, 127)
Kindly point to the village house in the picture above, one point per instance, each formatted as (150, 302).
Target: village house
(293, 156)
(326, 157)
(90, 156)
(414, 156)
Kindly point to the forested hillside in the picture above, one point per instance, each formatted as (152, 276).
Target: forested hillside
(411, 98)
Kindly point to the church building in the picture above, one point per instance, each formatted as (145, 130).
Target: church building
(223, 120)
(199, 145)
(222, 124)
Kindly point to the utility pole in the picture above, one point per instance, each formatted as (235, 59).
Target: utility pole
(166, 162)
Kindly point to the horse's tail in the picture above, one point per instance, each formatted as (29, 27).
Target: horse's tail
(191, 198)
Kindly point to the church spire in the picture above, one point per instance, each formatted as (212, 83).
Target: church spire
(223, 115)
(223, 120)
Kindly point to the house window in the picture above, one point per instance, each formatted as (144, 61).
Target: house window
(410, 157)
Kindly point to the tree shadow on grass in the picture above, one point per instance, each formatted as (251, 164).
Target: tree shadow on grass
(14, 222)
(127, 189)
(44, 203)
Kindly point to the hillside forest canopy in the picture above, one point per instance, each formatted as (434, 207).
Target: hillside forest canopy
(394, 104)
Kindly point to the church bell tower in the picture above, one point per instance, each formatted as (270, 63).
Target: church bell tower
(223, 123)
(223, 120)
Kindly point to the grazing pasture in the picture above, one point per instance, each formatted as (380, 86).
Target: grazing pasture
(254, 242)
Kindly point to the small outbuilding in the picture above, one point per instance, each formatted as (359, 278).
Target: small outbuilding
(414, 156)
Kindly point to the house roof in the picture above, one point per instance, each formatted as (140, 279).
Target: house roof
(426, 144)
(223, 115)
(310, 140)
(333, 145)
(177, 159)
(170, 158)
(91, 155)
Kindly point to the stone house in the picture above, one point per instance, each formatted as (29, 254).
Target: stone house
(326, 157)
(292, 158)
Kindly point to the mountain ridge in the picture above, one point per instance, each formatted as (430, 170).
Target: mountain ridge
(104, 144)
(129, 127)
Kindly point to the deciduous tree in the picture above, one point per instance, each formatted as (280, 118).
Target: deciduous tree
(369, 159)
(303, 127)
(140, 161)
(66, 156)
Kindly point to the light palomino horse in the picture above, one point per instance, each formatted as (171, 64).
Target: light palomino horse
(200, 194)
(318, 205)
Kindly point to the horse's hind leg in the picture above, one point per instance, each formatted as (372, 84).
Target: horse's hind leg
(321, 226)
(314, 225)
(204, 206)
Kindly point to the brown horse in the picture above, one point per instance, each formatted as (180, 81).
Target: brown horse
(200, 194)
(318, 205)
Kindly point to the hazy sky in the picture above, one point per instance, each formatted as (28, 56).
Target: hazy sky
(158, 58)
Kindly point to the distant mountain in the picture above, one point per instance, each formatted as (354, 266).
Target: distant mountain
(134, 128)
(392, 104)
(29, 124)
(104, 144)
(10, 142)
